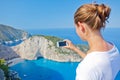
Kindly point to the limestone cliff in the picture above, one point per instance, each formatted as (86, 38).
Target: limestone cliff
(45, 46)
(7, 53)
(9, 34)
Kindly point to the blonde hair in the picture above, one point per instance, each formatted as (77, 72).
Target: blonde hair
(94, 15)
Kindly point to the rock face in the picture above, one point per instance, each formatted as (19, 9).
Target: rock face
(7, 53)
(2, 77)
(8, 33)
(45, 46)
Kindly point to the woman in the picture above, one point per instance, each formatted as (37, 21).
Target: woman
(102, 61)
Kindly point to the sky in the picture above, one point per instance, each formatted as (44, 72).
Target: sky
(42, 14)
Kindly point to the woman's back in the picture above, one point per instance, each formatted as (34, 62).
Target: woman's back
(99, 66)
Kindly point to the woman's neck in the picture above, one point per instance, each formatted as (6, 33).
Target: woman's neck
(97, 43)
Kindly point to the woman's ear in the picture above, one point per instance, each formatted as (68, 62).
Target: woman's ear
(81, 27)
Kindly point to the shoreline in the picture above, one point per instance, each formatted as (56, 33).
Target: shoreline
(14, 61)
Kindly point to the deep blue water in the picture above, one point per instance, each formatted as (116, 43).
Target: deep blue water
(43, 69)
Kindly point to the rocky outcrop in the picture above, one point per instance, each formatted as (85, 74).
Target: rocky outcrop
(9, 34)
(2, 77)
(7, 53)
(45, 46)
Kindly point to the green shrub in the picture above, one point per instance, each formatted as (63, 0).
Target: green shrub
(4, 67)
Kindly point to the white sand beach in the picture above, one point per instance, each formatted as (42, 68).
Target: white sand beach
(14, 61)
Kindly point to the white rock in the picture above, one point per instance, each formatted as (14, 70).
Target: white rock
(38, 46)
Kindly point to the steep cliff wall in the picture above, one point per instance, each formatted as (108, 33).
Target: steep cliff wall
(45, 46)
(8, 33)
(7, 53)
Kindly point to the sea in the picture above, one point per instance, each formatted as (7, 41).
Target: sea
(44, 69)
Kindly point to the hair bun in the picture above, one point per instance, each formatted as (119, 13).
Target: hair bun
(103, 12)
(94, 15)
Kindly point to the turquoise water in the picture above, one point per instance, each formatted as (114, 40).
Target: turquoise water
(44, 69)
